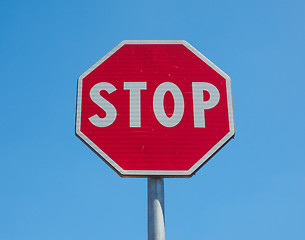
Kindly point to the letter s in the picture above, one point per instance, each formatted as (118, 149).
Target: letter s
(109, 109)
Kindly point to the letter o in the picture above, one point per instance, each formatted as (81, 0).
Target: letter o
(158, 104)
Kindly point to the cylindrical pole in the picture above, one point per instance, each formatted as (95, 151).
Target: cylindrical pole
(155, 195)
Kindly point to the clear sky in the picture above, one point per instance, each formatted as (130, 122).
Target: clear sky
(52, 186)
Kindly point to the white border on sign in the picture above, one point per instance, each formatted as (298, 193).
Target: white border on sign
(143, 173)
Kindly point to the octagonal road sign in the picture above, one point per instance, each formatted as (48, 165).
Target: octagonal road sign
(154, 108)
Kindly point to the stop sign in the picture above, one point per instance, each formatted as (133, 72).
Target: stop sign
(154, 108)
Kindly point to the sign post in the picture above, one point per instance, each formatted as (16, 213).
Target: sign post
(154, 109)
(156, 217)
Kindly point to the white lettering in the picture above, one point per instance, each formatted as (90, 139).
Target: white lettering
(199, 105)
(109, 109)
(158, 104)
(135, 102)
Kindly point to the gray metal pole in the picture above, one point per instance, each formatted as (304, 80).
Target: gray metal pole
(155, 195)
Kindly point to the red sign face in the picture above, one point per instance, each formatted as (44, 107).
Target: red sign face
(154, 108)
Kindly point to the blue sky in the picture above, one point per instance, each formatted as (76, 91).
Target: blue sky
(53, 187)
